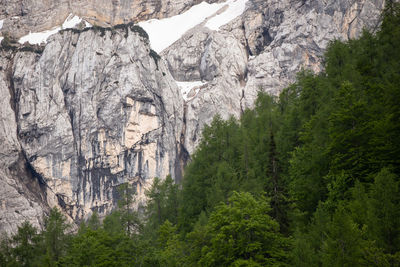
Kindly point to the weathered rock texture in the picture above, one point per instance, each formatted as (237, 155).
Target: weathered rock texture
(93, 111)
(97, 108)
(22, 16)
(20, 192)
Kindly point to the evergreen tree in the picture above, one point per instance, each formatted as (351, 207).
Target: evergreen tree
(344, 243)
(384, 211)
(128, 216)
(55, 237)
(94, 221)
(26, 245)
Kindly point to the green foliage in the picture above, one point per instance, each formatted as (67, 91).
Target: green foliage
(98, 248)
(212, 173)
(26, 245)
(162, 202)
(113, 223)
(156, 57)
(127, 216)
(343, 243)
(55, 237)
(243, 234)
(383, 211)
(171, 248)
(94, 222)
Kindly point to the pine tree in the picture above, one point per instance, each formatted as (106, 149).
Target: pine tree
(26, 245)
(55, 235)
(128, 216)
(384, 212)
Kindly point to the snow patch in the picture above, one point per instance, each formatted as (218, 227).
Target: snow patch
(38, 37)
(1, 39)
(164, 32)
(234, 10)
(1, 23)
(41, 37)
(71, 22)
(186, 88)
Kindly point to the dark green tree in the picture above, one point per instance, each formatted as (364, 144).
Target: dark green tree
(55, 236)
(384, 211)
(26, 245)
(162, 203)
(129, 218)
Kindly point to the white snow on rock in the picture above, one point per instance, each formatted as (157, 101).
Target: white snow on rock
(87, 24)
(71, 22)
(41, 37)
(186, 87)
(38, 37)
(1, 23)
(165, 32)
(234, 10)
(1, 39)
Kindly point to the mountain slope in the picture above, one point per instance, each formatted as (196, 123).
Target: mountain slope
(96, 107)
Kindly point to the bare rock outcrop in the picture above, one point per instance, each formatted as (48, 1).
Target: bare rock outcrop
(94, 110)
(21, 196)
(20, 17)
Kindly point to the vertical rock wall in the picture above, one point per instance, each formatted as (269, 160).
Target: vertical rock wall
(94, 110)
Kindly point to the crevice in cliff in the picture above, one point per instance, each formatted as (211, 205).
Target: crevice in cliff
(22, 169)
(11, 86)
(34, 184)
(37, 186)
(183, 156)
(241, 103)
(28, 182)
(359, 9)
(79, 160)
(248, 50)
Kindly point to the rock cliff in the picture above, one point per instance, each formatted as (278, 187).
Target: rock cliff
(90, 112)
(22, 16)
(95, 108)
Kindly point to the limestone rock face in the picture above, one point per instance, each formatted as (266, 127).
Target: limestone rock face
(39, 15)
(21, 195)
(220, 60)
(296, 34)
(93, 111)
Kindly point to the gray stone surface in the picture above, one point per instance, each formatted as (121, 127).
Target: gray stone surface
(20, 193)
(22, 16)
(94, 110)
